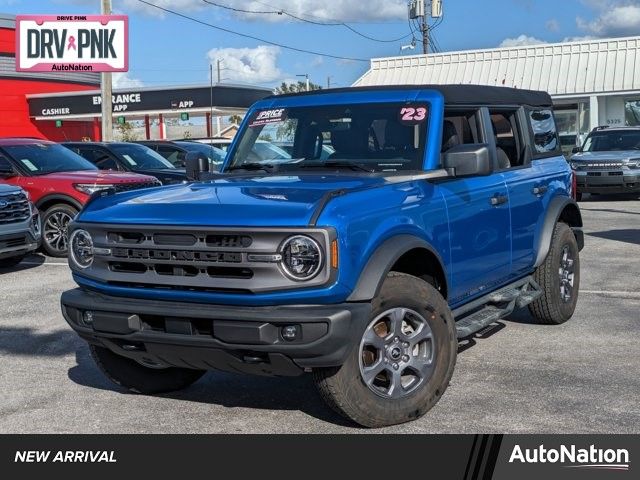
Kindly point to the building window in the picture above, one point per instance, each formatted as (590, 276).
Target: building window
(632, 113)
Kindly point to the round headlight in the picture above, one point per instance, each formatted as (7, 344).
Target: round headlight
(81, 248)
(301, 257)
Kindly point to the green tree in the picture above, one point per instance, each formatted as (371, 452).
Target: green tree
(126, 132)
(235, 119)
(300, 86)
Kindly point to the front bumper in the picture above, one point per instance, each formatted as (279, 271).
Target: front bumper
(231, 338)
(607, 182)
(19, 243)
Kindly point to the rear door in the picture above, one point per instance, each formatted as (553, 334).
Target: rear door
(479, 225)
(529, 138)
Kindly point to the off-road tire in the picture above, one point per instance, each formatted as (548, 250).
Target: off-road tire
(549, 308)
(62, 209)
(343, 387)
(137, 378)
(11, 261)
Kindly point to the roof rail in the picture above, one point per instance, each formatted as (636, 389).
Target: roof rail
(601, 127)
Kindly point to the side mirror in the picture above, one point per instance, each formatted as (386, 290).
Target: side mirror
(576, 150)
(468, 160)
(196, 163)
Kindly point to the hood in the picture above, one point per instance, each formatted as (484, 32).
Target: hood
(6, 188)
(98, 176)
(613, 156)
(274, 201)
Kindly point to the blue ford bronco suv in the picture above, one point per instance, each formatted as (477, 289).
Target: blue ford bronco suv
(440, 211)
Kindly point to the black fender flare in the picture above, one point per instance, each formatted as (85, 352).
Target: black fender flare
(380, 263)
(555, 210)
(60, 198)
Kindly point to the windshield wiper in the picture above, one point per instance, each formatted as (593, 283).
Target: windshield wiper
(252, 166)
(336, 164)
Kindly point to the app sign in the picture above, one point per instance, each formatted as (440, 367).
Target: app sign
(91, 43)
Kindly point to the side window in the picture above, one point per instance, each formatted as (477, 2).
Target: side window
(170, 154)
(509, 144)
(545, 135)
(99, 158)
(5, 164)
(459, 128)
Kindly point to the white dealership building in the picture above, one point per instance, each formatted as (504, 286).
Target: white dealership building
(592, 83)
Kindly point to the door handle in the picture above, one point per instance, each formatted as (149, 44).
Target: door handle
(498, 200)
(540, 190)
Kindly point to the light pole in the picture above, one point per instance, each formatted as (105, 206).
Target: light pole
(106, 89)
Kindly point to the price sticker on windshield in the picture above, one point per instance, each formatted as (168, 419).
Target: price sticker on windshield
(264, 117)
(413, 115)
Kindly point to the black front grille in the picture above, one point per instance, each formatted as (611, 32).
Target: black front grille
(126, 187)
(204, 259)
(14, 208)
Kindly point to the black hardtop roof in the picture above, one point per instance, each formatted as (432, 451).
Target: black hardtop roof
(456, 94)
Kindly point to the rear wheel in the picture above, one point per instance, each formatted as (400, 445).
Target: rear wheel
(559, 277)
(140, 379)
(404, 360)
(55, 223)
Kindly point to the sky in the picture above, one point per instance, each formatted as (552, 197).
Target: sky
(166, 49)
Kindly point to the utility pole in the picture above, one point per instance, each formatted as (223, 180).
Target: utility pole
(210, 126)
(329, 81)
(418, 12)
(106, 91)
(218, 63)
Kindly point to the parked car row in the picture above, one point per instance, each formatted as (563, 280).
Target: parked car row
(58, 179)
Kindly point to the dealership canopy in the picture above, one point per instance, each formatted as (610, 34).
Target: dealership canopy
(219, 100)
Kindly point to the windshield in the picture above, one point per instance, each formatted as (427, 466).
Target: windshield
(44, 158)
(366, 137)
(613, 140)
(214, 154)
(139, 157)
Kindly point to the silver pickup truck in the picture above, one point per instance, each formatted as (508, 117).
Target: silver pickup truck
(19, 225)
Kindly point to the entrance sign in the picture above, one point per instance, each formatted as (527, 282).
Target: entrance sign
(52, 43)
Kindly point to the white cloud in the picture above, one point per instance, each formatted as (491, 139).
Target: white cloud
(317, 10)
(250, 65)
(123, 80)
(520, 41)
(316, 62)
(620, 20)
(552, 25)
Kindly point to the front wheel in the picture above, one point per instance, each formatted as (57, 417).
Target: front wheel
(140, 379)
(55, 223)
(404, 360)
(559, 277)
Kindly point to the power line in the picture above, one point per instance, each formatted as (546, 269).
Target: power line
(258, 39)
(282, 12)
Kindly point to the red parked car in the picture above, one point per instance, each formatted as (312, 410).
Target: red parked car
(59, 182)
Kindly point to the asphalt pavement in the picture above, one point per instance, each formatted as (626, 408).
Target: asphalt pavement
(580, 377)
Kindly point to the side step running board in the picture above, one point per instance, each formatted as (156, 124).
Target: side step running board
(481, 313)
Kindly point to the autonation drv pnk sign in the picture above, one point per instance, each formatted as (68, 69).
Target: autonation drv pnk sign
(92, 43)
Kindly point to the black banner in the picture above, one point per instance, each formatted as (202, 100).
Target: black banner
(465, 457)
(144, 100)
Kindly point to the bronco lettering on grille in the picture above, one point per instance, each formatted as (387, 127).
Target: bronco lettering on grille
(182, 255)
